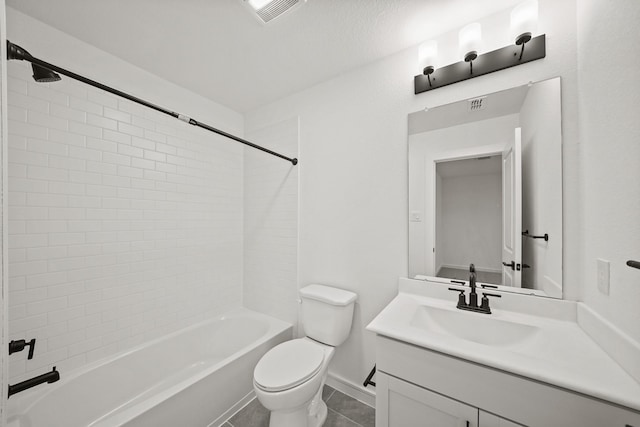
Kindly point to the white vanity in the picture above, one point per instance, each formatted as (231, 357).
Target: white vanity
(548, 364)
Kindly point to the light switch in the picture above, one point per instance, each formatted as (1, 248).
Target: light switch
(603, 276)
(416, 216)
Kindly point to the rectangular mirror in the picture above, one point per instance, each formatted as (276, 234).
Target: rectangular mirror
(485, 188)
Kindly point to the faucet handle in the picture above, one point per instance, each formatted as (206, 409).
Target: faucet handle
(485, 301)
(462, 302)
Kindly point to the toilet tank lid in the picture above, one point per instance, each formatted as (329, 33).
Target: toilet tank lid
(328, 294)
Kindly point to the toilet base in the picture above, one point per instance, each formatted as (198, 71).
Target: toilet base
(301, 417)
(320, 417)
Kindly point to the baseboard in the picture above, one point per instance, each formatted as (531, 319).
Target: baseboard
(233, 410)
(358, 392)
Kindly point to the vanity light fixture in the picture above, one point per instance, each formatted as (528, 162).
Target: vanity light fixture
(524, 18)
(427, 58)
(470, 41)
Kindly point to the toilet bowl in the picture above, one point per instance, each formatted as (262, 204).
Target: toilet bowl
(289, 378)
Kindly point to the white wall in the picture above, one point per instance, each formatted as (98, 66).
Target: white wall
(541, 124)
(610, 156)
(472, 222)
(124, 223)
(271, 223)
(470, 139)
(353, 169)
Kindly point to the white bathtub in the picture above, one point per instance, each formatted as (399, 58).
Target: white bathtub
(192, 377)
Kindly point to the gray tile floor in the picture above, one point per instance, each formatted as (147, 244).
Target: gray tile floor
(344, 411)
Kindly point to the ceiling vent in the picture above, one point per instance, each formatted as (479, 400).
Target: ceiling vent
(477, 104)
(267, 10)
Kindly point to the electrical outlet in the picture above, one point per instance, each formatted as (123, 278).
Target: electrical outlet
(603, 276)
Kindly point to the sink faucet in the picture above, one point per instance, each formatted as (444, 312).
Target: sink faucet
(473, 296)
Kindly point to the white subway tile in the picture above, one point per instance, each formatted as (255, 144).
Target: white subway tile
(102, 122)
(48, 279)
(102, 144)
(67, 163)
(37, 90)
(143, 143)
(45, 173)
(41, 199)
(143, 123)
(86, 130)
(66, 138)
(27, 158)
(130, 129)
(27, 240)
(84, 105)
(102, 98)
(61, 111)
(51, 252)
(128, 150)
(130, 172)
(47, 121)
(85, 153)
(68, 188)
(51, 304)
(117, 115)
(66, 213)
(40, 226)
(27, 129)
(118, 159)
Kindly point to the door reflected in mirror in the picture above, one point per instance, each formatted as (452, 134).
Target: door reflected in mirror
(485, 180)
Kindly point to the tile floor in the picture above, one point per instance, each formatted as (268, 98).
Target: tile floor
(344, 411)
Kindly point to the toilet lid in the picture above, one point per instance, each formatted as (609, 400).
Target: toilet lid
(288, 364)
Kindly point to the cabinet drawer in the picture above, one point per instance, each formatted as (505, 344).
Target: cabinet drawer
(401, 404)
(525, 401)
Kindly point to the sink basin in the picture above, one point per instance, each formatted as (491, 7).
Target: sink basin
(475, 327)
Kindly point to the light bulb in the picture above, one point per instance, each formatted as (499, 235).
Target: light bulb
(470, 41)
(524, 21)
(428, 56)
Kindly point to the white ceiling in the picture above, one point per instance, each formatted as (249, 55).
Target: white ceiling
(218, 49)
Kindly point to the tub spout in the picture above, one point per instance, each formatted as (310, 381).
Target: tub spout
(49, 377)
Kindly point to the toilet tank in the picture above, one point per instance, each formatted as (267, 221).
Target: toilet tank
(327, 313)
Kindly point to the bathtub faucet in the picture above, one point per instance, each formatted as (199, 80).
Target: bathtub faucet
(49, 377)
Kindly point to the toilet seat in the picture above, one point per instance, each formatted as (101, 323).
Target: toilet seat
(288, 365)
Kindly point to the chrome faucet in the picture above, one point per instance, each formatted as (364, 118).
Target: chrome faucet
(473, 296)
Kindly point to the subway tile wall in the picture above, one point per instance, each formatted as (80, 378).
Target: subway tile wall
(124, 224)
(271, 223)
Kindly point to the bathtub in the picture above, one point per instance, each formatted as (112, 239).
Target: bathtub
(193, 377)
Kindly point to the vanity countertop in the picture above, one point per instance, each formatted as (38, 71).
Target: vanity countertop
(554, 348)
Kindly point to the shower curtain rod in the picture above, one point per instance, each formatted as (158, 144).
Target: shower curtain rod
(16, 52)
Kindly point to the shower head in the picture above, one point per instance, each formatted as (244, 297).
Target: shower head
(44, 75)
(40, 73)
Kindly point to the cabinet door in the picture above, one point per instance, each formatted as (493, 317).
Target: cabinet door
(402, 404)
(489, 420)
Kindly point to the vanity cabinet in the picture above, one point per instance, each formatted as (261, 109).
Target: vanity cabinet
(419, 387)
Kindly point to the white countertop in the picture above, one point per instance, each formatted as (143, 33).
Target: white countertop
(559, 353)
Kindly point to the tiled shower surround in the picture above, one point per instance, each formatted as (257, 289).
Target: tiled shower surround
(124, 224)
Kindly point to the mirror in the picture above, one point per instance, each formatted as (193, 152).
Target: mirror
(485, 188)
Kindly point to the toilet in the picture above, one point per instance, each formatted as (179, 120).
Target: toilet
(289, 378)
